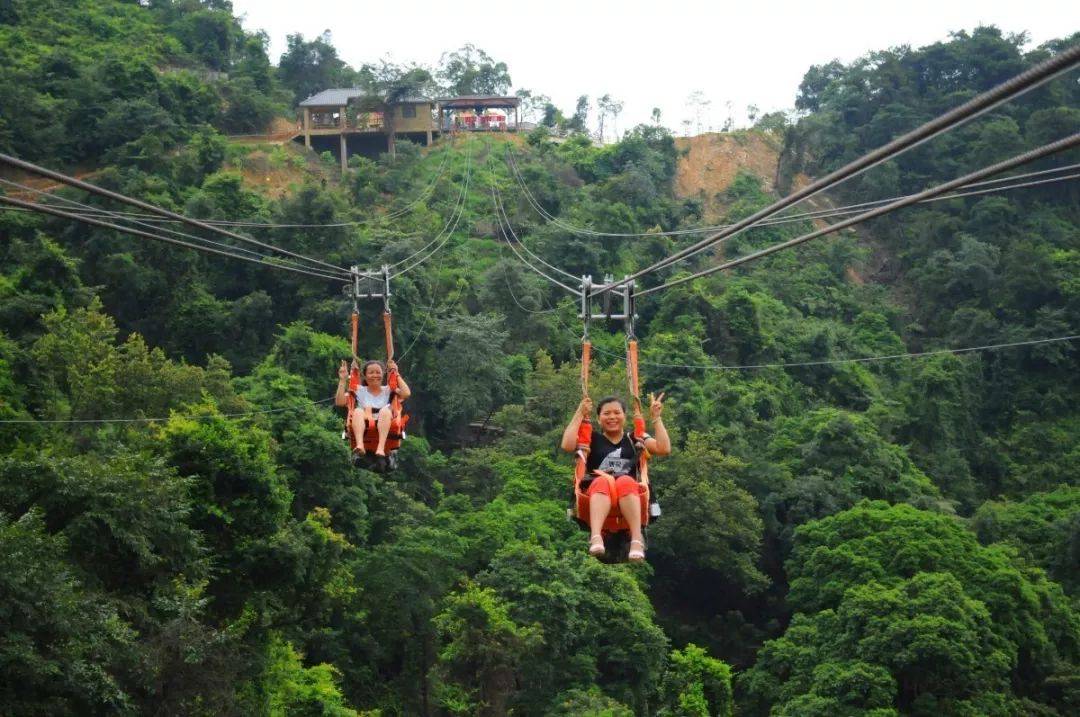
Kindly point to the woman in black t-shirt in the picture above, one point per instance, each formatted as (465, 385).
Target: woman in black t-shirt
(613, 466)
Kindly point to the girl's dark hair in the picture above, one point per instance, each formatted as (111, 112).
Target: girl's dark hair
(364, 368)
(609, 399)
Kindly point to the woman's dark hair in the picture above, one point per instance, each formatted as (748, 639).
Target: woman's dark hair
(609, 399)
(364, 368)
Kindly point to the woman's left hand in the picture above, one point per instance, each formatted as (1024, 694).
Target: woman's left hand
(656, 406)
(391, 365)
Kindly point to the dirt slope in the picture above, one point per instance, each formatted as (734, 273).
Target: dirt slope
(710, 163)
(279, 170)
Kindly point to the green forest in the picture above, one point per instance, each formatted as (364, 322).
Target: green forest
(840, 535)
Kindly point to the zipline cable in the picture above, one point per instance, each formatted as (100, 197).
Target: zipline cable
(1059, 146)
(510, 289)
(585, 231)
(448, 229)
(45, 209)
(116, 196)
(864, 359)
(783, 219)
(499, 209)
(812, 216)
(991, 185)
(155, 227)
(847, 211)
(506, 238)
(154, 219)
(156, 420)
(1014, 87)
(424, 193)
(823, 362)
(427, 317)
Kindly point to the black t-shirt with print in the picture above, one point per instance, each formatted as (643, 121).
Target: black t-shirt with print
(618, 459)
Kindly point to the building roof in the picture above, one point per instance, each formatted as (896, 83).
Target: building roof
(470, 101)
(335, 97)
(340, 96)
(414, 100)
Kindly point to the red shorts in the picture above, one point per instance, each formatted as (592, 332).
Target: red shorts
(624, 486)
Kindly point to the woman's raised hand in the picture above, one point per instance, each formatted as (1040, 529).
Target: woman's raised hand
(656, 405)
(585, 407)
(391, 365)
(343, 371)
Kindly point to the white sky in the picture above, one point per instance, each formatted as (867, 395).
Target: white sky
(649, 54)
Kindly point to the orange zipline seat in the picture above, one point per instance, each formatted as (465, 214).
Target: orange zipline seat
(614, 523)
(397, 406)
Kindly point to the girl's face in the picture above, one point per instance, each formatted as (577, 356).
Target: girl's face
(612, 417)
(373, 375)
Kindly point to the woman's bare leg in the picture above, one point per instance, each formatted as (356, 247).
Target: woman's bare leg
(630, 506)
(386, 417)
(358, 426)
(599, 507)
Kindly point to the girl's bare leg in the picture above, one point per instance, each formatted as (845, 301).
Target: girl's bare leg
(358, 426)
(386, 417)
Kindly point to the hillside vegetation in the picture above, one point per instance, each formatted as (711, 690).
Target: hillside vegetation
(893, 537)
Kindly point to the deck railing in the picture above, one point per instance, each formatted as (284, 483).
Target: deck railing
(325, 120)
(478, 124)
(370, 121)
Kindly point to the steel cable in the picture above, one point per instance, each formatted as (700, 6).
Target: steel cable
(501, 210)
(118, 215)
(506, 238)
(45, 209)
(449, 230)
(783, 219)
(1046, 150)
(822, 362)
(1021, 83)
(117, 196)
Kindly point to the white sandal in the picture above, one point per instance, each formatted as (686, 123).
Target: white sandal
(636, 555)
(596, 546)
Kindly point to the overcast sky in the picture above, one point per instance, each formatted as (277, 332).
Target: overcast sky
(649, 54)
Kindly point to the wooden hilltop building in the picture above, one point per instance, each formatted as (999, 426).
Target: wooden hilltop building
(348, 121)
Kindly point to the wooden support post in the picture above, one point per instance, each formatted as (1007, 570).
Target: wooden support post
(344, 153)
(307, 127)
(390, 145)
(517, 118)
(429, 144)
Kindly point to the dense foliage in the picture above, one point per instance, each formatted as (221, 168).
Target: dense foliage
(883, 537)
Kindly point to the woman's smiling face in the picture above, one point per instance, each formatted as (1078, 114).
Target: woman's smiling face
(373, 375)
(612, 417)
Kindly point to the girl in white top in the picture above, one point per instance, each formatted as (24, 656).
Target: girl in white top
(372, 399)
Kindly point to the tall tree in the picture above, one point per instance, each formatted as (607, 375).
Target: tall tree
(471, 71)
(307, 67)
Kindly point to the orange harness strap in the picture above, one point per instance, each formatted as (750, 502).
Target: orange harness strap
(354, 380)
(392, 380)
(639, 418)
(585, 429)
(355, 334)
(586, 359)
(584, 439)
(389, 333)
